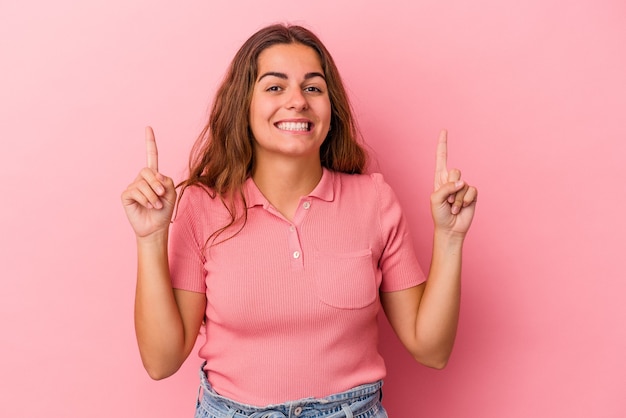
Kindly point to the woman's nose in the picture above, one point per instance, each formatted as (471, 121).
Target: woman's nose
(297, 101)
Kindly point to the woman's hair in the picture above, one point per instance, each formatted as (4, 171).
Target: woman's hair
(222, 157)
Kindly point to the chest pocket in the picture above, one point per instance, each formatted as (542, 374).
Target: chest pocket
(345, 280)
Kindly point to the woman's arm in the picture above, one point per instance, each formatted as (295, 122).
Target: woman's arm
(425, 317)
(167, 321)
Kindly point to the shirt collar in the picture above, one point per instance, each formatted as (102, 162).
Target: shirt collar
(324, 190)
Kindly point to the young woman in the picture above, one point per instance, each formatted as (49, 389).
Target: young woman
(284, 251)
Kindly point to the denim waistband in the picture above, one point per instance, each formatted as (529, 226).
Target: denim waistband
(354, 402)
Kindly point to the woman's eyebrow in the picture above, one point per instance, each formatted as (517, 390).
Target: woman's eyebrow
(284, 76)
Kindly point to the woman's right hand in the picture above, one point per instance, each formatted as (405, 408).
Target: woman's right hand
(150, 199)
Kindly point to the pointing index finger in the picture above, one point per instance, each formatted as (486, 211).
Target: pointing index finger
(152, 154)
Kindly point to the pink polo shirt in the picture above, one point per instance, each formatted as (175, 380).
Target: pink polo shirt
(292, 306)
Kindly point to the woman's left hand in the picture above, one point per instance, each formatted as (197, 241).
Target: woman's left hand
(453, 201)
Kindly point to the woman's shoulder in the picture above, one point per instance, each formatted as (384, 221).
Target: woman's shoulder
(196, 199)
(368, 187)
(195, 191)
(195, 195)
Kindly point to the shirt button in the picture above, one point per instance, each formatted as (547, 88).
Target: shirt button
(297, 411)
(306, 205)
(296, 254)
(292, 228)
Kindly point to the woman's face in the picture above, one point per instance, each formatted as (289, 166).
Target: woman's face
(290, 109)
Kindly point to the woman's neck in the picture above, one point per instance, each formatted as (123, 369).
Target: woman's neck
(284, 183)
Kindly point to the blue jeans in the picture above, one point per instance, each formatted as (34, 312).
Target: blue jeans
(360, 402)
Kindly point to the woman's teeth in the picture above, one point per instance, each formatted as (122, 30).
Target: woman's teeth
(293, 126)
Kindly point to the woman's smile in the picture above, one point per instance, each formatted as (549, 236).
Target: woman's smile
(295, 126)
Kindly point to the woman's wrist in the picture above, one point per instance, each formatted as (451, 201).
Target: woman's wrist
(448, 238)
(155, 239)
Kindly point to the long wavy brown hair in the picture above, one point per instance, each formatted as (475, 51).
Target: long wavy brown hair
(222, 157)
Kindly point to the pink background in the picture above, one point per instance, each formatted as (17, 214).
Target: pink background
(533, 94)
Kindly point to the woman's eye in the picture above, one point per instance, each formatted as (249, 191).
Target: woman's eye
(312, 89)
(273, 88)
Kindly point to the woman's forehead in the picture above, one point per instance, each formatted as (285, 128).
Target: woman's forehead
(289, 59)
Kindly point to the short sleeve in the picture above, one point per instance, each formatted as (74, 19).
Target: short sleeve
(186, 243)
(398, 262)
